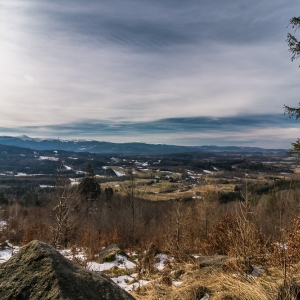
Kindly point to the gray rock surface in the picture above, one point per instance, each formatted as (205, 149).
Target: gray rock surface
(109, 253)
(38, 272)
(212, 261)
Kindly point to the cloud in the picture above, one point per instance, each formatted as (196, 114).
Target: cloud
(247, 130)
(131, 63)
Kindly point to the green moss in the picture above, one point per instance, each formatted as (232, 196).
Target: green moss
(121, 252)
(116, 272)
(110, 257)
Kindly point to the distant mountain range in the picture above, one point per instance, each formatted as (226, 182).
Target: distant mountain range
(118, 148)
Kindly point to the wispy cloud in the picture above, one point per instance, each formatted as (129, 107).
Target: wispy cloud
(248, 130)
(145, 65)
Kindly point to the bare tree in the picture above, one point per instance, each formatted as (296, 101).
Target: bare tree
(176, 229)
(67, 214)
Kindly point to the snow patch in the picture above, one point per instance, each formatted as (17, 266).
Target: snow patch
(207, 172)
(44, 186)
(8, 252)
(51, 158)
(163, 259)
(119, 174)
(121, 262)
(123, 282)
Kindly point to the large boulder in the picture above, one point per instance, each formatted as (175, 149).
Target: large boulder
(38, 272)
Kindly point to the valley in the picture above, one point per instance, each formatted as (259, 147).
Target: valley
(191, 206)
(156, 176)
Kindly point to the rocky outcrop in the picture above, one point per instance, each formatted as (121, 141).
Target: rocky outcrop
(38, 272)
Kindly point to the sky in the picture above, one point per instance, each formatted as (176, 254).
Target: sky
(193, 72)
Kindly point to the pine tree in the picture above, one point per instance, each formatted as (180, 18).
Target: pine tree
(294, 47)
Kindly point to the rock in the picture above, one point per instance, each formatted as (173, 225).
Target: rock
(256, 272)
(212, 261)
(109, 253)
(38, 272)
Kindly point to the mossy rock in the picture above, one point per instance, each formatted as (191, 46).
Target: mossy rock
(38, 271)
(110, 257)
(109, 253)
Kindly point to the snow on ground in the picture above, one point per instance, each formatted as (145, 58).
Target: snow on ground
(207, 172)
(49, 158)
(43, 186)
(121, 262)
(119, 174)
(177, 283)
(21, 174)
(8, 251)
(163, 259)
(124, 282)
(79, 254)
(80, 172)
(74, 181)
(3, 224)
(93, 266)
(5, 255)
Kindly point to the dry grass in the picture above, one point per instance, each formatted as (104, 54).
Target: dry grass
(165, 190)
(219, 284)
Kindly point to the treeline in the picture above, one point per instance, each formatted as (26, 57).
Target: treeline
(179, 227)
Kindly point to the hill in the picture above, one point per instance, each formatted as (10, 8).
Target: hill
(119, 148)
